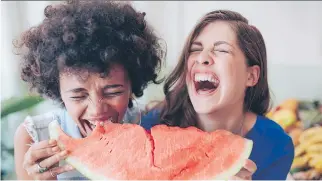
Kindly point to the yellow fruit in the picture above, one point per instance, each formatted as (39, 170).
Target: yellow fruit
(310, 133)
(299, 149)
(284, 117)
(302, 147)
(315, 148)
(314, 159)
(318, 165)
(291, 104)
(299, 162)
(313, 155)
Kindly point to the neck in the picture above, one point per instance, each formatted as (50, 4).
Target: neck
(231, 119)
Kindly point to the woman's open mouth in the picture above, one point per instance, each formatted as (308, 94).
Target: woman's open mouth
(205, 83)
(90, 125)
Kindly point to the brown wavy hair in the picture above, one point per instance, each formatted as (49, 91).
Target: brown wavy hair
(177, 109)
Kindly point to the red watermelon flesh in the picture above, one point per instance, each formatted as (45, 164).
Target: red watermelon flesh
(128, 152)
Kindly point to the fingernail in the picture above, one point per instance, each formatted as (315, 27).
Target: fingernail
(55, 149)
(250, 165)
(101, 123)
(69, 167)
(63, 153)
(51, 142)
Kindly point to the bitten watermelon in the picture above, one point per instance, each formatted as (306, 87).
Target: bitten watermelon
(128, 152)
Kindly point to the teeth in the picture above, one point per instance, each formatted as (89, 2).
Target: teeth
(205, 77)
(92, 122)
(101, 123)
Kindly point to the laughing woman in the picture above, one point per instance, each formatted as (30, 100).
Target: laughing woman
(90, 56)
(220, 82)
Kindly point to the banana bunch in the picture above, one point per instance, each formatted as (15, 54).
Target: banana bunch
(308, 149)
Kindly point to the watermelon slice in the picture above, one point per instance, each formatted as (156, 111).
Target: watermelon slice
(128, 152)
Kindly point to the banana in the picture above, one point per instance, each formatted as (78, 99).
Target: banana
(314, 140)
(318, 165)
(314, 160)
(299, 150)
(315, 148)
(299, 162)
(313, 155)
(310, 133)
(309, 144)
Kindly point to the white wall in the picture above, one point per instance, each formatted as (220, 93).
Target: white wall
(15, 18)
(292, 31)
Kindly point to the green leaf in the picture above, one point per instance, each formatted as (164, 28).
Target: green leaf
(17, 104)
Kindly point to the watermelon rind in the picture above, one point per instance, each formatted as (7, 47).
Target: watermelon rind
(239, 164)
(53, 129)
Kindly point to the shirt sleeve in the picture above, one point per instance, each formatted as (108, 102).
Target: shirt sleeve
(280, 166)
(151, 119)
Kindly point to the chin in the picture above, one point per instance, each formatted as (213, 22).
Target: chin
(204, 108)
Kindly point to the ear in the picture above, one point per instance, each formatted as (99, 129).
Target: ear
(252, 75)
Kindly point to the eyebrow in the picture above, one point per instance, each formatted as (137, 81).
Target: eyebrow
(77, 90)
(217, 43)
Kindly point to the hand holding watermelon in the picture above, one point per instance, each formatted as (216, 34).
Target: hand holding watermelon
(40, 159)
(246, 172)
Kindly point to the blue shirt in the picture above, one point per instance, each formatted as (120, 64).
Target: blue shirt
(273, 149)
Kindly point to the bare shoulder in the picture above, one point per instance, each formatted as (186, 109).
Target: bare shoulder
(22, 136)
(22, 141)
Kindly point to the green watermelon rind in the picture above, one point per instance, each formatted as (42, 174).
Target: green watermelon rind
(54, 128)
(84, 170)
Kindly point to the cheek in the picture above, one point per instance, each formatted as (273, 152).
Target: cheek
(189, 65)
(233, 76)
(119, 105)
(74, 109)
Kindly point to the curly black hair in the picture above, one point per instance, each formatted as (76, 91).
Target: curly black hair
(90, 35)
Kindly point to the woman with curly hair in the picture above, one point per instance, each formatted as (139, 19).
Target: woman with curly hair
(91, 56)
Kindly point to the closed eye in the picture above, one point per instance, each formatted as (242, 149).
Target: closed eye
(194, 50)
(113, 94)
(222, 51)
(78, 98)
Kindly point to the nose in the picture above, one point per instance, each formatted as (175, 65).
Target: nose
(97, 107)
(205, 59)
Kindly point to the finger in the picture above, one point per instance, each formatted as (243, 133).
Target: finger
(244, 174)
(240, 178)
(43, 144)
(54, 159)
(48, 162)
(250, 166)
(34, 155)
(62, 169)
(52, 173)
